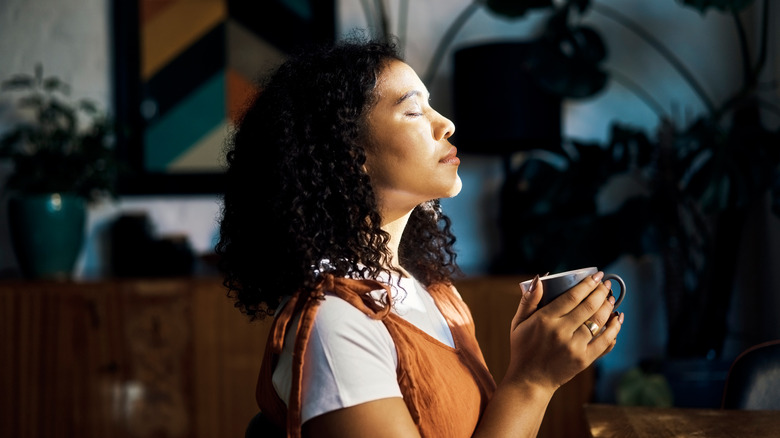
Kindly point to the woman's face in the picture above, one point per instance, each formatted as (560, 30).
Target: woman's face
(408, 158)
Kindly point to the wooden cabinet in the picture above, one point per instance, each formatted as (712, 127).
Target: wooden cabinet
(136, 358)
(172, 358)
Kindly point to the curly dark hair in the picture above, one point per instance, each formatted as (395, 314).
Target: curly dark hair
(297, 199)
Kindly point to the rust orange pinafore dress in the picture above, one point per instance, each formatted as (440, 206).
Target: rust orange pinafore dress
(445, 389)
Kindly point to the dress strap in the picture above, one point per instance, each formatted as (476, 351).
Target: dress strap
(355, 292)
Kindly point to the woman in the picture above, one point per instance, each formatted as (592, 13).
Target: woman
(345, 160)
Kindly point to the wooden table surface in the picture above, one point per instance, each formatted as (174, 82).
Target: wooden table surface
(630, 421)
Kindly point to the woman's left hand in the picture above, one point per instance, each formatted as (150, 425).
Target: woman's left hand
(551, 345)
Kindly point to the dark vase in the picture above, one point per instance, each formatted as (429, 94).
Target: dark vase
(47, 233)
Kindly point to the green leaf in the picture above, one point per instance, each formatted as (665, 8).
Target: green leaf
(566, 61)
(589, 45)
(516, 8)
(723, 5)
(9, 141)
(88, 107)
(18, 82)
(34, 101)
(581, 5)
(52, 83)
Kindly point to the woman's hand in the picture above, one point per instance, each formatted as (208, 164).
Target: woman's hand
(548, 346)
(551, 345)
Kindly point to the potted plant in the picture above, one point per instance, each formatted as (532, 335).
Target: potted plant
(698, 182)
(62, 160)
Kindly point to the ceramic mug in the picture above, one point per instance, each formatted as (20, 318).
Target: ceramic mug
(556, 284)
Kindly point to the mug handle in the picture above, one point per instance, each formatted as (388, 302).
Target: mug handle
(622, 287)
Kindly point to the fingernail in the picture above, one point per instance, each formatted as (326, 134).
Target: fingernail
(534, 284)
(598, 276)
(608, 284)
(611, 299)
(622, 316)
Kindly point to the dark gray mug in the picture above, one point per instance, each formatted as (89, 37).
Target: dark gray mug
(556, 284)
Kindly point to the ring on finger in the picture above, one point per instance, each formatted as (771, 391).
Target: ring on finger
(592, 327)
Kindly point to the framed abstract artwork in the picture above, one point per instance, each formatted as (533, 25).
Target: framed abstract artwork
(184, 70)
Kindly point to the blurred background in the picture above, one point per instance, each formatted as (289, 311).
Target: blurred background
(640, 137)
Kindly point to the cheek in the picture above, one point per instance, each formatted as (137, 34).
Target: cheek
(377, 168)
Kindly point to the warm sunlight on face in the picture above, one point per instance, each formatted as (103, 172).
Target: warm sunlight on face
(409, 158)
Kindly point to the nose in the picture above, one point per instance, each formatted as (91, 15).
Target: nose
(443, 128)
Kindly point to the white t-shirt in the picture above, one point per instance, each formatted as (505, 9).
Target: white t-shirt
(350, 358)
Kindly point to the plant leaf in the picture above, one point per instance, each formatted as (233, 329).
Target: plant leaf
(581, 5)
(589, 44)
(8, 142)
(18, 82)
(52, 83)
(723, 5)
(34, 101)
(563, 67)
(516, 8)
(88, 107)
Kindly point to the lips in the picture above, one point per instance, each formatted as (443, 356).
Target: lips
(451, 157)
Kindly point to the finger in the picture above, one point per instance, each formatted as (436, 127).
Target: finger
(604, 342)
(595, 307)
(610, 348)
(567, 302)
(529, 302)
(591, 330)
(604, 313)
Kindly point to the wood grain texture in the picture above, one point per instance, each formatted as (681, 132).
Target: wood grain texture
(610, 421)
(135, 358)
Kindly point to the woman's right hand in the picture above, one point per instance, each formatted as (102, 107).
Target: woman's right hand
(548, 346)
(551, 345)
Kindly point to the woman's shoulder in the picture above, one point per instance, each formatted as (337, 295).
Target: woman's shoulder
(337, 317)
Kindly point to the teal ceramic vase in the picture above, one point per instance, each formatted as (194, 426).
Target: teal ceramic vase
(47, 233)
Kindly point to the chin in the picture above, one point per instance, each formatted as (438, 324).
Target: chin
(456, 187)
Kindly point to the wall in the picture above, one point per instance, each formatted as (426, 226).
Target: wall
(71, 38)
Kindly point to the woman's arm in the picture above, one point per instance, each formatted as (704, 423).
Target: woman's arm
(383, 418)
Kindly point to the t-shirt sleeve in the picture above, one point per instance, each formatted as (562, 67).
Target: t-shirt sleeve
(350, 359)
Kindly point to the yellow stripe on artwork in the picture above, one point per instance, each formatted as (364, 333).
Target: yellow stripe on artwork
(172, 31)
(206, 155)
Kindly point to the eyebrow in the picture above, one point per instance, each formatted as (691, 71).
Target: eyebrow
(407, 95)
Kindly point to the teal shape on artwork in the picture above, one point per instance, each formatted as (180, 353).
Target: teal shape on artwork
(301, 8)
(185, 124)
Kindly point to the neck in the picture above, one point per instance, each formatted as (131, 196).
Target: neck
(394, 226)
